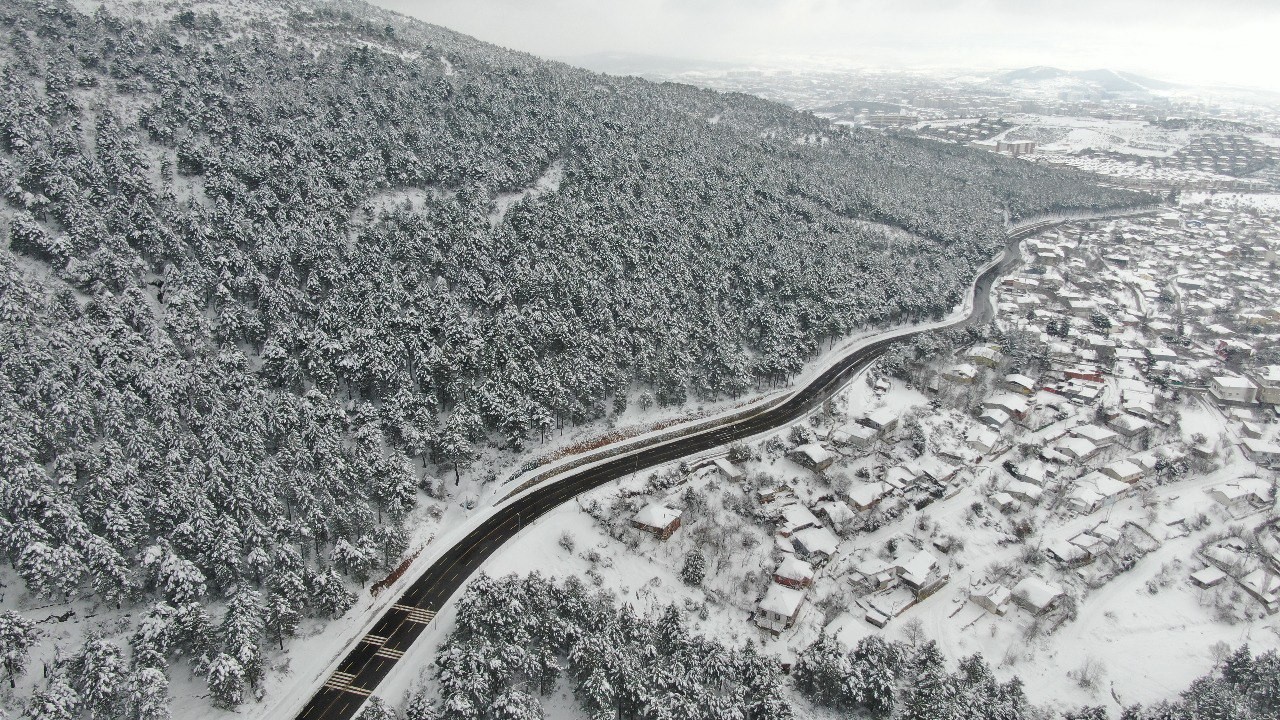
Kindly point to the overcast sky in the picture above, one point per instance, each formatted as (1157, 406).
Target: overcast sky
(1203, 41)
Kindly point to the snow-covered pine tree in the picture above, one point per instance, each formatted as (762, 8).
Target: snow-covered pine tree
(17, 636)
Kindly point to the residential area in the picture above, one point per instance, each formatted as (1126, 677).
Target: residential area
(1107, 447)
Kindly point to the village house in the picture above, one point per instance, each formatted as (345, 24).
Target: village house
(922, 573)
(883, 420)
(1066, 553)
(1016, 406)
(771, 493)
(1024, 491)
(1099, 436)
(817, 544)
(794, 573)
(963, 374)
(982, 439)
(1125, 471)
(1160, 353)
(1268, 380)
(1127, 425)
(1229, 389)
(1020, 384)
(984, 355)
(837, 513)
(865, 496)
(1265, 587)
(1035, 595)
(994, 418)
(779, 608)
(1095, 490)
(932, 468)
(874, 574)
(1032, 472)
(1004, 502)
(795, 517)
(1077, 448)
(1263, 453)
(1208, 577)
(1244, 495)
(657, 520)
(813, 456)
(992, 597)
(859, 436)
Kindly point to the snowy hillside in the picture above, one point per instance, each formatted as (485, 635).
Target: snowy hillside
(286, 284)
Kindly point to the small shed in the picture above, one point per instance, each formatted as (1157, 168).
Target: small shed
(657, 520)
(1208, 577)
(728, 469)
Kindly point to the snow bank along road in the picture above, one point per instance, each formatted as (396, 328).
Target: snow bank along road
(373, 656)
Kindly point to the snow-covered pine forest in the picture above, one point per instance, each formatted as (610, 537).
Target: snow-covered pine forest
(517, 638)
(267, 277)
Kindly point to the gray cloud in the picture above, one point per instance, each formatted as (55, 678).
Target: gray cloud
(1191, 40)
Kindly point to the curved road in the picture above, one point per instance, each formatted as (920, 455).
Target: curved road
(372, 658)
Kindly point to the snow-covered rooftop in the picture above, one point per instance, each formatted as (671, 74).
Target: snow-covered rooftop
(656, 515)
(781, 600)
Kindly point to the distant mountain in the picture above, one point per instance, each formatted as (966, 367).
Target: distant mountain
(1039, 72)
(1102, 78)
(638, 64)
(875, 106)
(1146, 82)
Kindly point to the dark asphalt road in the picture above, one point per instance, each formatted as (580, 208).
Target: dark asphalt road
(376, 653)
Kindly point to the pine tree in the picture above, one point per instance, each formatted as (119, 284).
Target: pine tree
(694, 569)
(932, 693)
(59, 701)
(97, 671)
(820, 673)
(241, 632)
(376, 709)
(421, 707)
(148, 695)
(873, 673)
(17, 636)
(226, 681)
(515, 705)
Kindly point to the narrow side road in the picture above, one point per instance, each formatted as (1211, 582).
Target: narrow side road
(375, 654)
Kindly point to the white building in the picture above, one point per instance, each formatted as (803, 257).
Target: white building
(779, 608)
(1268, 379)
(1233, 389)
(992, 597)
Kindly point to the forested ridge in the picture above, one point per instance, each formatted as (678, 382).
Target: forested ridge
(257, 291)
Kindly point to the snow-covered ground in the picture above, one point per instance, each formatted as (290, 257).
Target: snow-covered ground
(1139, 636)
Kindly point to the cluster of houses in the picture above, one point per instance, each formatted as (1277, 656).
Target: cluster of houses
(1129, 315)
(1257, 573)
(891, 587)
